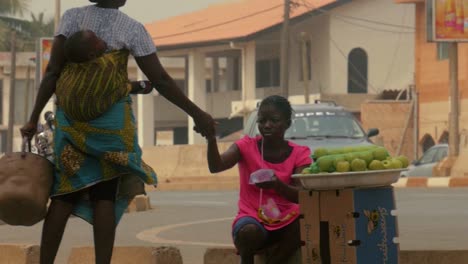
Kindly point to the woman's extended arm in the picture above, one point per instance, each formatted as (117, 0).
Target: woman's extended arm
(47, 87)
(165, 85)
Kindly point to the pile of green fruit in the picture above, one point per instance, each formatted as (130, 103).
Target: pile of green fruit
(361, 158)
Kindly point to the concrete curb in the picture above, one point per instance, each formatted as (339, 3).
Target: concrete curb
(229, 256)
(431, 182)
(19, 254)
(129, 255)
(139, 204)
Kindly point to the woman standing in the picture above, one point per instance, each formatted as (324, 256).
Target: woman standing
(268, 208)
(97, 158)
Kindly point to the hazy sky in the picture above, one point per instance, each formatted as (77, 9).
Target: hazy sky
(144, 11)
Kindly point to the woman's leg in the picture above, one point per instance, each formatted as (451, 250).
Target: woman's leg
(288, 241)
(102, 196)
(54, 225)
(249, 237)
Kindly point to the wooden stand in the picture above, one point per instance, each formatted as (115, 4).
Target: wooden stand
(351, 226)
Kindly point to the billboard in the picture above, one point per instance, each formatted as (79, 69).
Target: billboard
(447, 20)
(45, 48)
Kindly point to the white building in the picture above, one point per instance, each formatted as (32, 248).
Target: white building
(355, 49)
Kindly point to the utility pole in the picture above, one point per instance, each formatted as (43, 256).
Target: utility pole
(284, 62)
(11, 108)
(454, 147)
(305, 66)
(57, 14)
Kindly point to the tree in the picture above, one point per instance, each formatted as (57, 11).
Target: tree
(13, 7)
(27, 31)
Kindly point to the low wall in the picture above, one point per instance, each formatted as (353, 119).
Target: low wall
(19, 254)
(129, 255)
(184, 161)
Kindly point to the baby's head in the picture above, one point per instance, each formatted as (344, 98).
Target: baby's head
(84, 46)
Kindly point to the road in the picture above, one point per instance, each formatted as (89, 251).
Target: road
(193, 221)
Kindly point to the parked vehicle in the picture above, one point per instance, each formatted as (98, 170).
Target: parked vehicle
(320, 124)
(423, 166)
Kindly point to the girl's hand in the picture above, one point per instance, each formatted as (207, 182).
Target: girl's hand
(274, 183)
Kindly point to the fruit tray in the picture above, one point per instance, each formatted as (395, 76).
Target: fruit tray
(342, 180)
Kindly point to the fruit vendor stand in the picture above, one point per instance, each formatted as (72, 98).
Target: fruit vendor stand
(349, 216)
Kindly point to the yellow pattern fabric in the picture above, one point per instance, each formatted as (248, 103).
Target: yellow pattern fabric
(86, 90)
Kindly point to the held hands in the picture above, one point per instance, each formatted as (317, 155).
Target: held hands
(205, 125)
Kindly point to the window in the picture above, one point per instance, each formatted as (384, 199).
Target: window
(237, 74)
(357, 71)
(268, 73)
(208, 86)
(182, 85)
(24, 100)
(3, 137)
(442, 50)
(308, 58)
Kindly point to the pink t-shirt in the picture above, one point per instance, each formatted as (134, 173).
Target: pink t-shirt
(249, 196)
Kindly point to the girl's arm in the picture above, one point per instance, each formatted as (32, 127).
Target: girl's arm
(227, 160)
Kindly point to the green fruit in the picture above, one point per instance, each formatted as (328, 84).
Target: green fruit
(334, 151)
(338, 159)
(376, 165)
(306, 171)
(320, 152)
(358, 165)
(347, 150)
(380, 153)
(349, 157)
(404, 161)
(325, 164)
(367, 156)
(388, 165)
(342, 166)
(314, 169)
(396, 163)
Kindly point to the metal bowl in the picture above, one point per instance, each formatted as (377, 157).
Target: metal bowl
(342, 180)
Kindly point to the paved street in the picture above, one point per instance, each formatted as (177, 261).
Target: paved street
(193, 221)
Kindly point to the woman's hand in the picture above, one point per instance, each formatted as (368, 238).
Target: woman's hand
(274, 183)
(29, 130)
(205, 124)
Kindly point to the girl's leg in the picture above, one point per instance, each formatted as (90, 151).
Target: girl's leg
(249, 237)
(54, 225)
(103, 197)
(289, 240)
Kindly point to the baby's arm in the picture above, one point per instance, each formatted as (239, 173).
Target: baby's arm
(141, 87)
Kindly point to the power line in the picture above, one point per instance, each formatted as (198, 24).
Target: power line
(345, 17)
(395, 53)
(219, 24)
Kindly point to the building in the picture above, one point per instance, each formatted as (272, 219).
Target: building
(227, 57)
(433, 86)
(352, 49)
